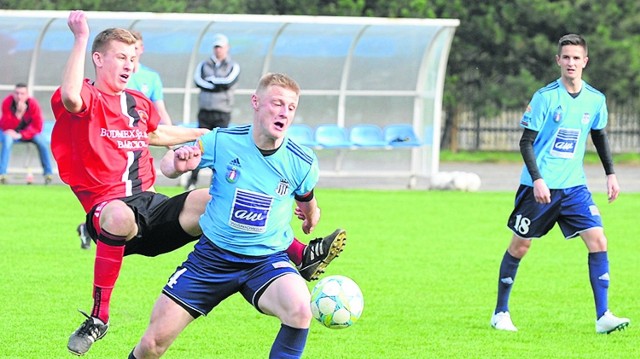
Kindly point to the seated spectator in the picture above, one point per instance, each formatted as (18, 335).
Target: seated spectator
(21, 121)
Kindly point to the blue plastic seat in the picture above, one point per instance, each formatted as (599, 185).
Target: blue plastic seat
(332, 136)
(367, 136)
(401, 135)
(301, 134)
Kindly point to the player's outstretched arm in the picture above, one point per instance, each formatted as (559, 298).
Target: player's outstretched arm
(174, 135)
(73, 74)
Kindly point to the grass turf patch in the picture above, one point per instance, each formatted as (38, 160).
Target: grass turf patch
(427, 263)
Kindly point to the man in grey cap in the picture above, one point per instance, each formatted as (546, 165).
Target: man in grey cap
(216, 77)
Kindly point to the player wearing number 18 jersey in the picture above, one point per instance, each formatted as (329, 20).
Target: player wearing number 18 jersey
(553, 188)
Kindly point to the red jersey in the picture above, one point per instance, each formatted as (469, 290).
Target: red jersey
(31, 123)
(103, 151)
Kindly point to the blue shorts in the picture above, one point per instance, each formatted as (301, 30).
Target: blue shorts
(572, 208)
(210, 274)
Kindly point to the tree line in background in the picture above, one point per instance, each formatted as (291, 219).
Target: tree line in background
(502, 52)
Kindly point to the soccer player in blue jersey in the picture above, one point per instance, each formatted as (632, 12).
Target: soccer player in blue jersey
(259, 175)
(557, 123)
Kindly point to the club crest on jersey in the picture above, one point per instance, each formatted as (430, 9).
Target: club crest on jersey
(283, 187)
(144, 116)
(233, 170)
(585, 118)
(557, 115)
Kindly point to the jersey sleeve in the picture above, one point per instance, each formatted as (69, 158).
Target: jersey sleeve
(87, 97)
(154, 115)
(311, 179)
(207, 144)
(601, 117)
(535, 114)
(63, 130)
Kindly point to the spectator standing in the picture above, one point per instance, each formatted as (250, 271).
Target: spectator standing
(216, 77)
(22, 121)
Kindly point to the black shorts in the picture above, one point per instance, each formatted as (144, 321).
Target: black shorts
(159, 229)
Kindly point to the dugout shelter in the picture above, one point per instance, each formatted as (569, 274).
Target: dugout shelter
(352, 71)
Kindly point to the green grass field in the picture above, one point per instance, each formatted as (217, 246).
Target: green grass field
(426, 262)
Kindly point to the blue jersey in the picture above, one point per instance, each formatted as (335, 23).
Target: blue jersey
(148, 82)
(252, 194)
(563, 124)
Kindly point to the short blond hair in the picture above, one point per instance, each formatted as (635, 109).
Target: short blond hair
(105, 37)
(277, 79)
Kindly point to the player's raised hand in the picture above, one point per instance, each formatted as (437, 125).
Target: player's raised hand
(77, 23)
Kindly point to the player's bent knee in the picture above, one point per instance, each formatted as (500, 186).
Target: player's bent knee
(116, 214)
(198, 199)
(298, 316)
(151, 347)
(194, 207)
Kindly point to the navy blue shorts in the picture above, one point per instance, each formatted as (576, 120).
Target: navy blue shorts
(210, 274)
(572, 208)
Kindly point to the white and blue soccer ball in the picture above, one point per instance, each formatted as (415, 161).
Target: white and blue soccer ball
(336, 302)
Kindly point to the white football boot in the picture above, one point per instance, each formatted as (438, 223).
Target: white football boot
(609, 323)
(502, 321)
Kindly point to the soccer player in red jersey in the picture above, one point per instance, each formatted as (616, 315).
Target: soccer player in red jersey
(101, 143)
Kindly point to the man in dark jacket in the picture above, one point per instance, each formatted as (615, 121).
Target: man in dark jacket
(216, 77)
